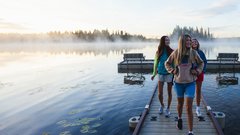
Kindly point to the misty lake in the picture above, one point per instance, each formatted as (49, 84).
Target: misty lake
(75, 88)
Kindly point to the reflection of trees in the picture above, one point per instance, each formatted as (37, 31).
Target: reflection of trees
(73, 48)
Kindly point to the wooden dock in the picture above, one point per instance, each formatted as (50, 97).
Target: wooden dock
(167, 126)
(136, 63)
(146, 66)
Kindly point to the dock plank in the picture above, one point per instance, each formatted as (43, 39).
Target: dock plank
(167, 126)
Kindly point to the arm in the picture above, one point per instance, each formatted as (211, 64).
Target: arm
(199, 62)
(169, 62)
(203, 57)
(155, 65)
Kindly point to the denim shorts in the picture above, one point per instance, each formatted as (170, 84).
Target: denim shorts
(185, 88)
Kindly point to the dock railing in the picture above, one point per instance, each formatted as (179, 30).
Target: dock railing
(227, 57)
(133, 57)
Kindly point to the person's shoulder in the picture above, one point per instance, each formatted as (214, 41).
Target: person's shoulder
(174, 52)
(194, 52)
(171, 49)
(200, 52)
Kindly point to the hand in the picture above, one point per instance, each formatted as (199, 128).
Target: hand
(194, 72)
(174, 71)
(152, 77)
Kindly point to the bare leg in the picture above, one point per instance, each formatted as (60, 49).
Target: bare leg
(189, 113)
(180, 106)
(160, 93)
(198, 93)
(169, 94)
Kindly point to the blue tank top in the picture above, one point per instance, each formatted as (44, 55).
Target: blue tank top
(161, 67)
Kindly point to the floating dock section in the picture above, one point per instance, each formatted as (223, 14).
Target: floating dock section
(138, 64)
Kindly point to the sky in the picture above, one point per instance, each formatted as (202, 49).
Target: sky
(151, 18)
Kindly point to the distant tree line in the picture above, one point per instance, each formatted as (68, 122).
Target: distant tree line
(99, 35)
(199, 33)
(74, 36)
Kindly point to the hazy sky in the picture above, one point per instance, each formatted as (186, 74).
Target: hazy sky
(148, 17)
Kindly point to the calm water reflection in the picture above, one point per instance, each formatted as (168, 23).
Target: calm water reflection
(75, 88)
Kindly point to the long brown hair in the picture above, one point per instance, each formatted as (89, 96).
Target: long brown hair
(182, 50)
(161, 47)
(198, 45)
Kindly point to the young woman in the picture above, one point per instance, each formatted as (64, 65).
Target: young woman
(185, 76)
(159, 69)
(200, 77)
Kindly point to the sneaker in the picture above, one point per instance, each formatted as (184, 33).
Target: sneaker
(161, 110)
(167, 113)
(179, 124)
(198, 112)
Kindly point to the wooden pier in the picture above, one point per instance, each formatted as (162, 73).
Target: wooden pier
(136, 64)
(167, 126)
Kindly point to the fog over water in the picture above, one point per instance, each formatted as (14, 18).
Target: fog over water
(74, 88)
(211, 48)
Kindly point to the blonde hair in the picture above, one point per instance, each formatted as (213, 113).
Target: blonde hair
(182, 50)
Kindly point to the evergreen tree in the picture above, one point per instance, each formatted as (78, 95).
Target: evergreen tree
(199, 34)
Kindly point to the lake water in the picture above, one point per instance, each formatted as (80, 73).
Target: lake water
(74, 88)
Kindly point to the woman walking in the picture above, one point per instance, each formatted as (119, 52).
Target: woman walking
(163, 52)
(185, 76)
(200, 77)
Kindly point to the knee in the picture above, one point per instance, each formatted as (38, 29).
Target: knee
(180, 105)
(189, 107)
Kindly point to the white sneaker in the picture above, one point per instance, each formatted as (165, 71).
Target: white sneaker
(161, 110)
(198, 112)
(167, 113)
